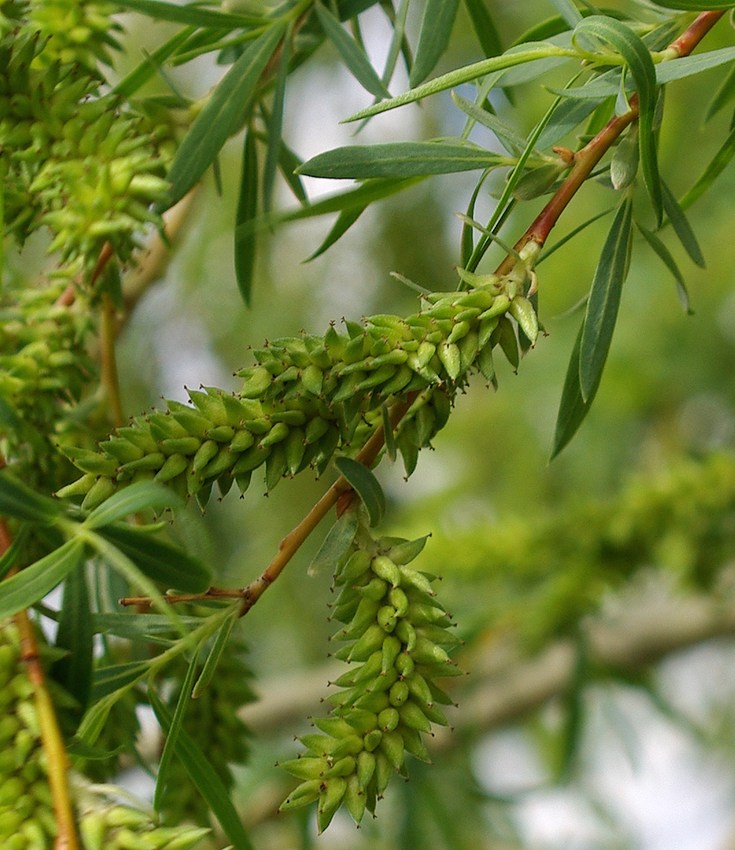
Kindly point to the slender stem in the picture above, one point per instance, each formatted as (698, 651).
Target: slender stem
(51, 738)
(588, 156)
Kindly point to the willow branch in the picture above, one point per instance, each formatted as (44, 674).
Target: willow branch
(587, 157)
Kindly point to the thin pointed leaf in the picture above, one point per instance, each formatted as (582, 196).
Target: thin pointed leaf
(219, 118)
(572, 233)
(725, 94)
(275, 124)
(143, 495)
(400, 159)
(572, 408)
(33, 583)
(667, 259)
(484, 28)
(526, 54)
(10, 555)
(365, 484)
(436, 28)
(218, 647)
(336, 544)
(190, 14)
(637, 57)
(247, 211)
(152, 64)
(714, 168)
(354, 57)
(288, 162)
(139, 626)
(568, 11)
(344, 222)
(389, 437)
(108, 680)
(682, 228)
(206, 779)
(157, 559)
(694, 5)
(174, 728)
(74, 637)
(686, 66)
(513, 142)
(604, 301)
(18, 500)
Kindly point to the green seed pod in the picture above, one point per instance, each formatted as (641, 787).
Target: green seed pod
(391, 745)
(384, 771)
(364, 616)
(305, 768)
(371, 640)
(390, 650)
(355, 799)
(398, 693)
(523, 312)
(375, 589)
(450, 358)
(385, 569)
(412, 716)
(415, 579)
(387, 617)
(173, 465)
(366, 765)
(181, 445)
(370, 742)
(406, 633)
(257, 382)
(102, 489)
(388, 719)
(304, 794)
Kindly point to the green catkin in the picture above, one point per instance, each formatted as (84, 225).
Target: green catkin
(385, 703)
(309, 396)
(27, 818)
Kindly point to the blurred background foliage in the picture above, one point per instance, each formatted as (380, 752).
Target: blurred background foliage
(514, 535)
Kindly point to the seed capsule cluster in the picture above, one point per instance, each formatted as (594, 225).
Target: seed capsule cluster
(396, 639)
(27, 819)
(309, 395)
(44, 368)
(71, 159)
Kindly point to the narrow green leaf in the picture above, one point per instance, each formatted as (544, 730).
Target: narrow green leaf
(213, 658)
(74, 636)
(9, 558)
(513, 142)
(527, 53)
(336, 544)
(141, 496)
(205, 778)
(107, 680)
(681, 226)
(365, 484)
(275, 123)
(572, 233)
(31, 584)
(604, 301)
(218, 119)
(572, 408)
(484, 28)
(637, 57)
(714, 168)
(436, 28)
(190, 14)
(344, 222)
(667, 259)
(400, 159)
(137, 626)
(247, 211)
(173, 730)
(566, 118)
(152, 63)
(157, 559)
(725, 94)
(18, 500)
(568, 11)
(686, 66)
(288, 162)
(354, 57)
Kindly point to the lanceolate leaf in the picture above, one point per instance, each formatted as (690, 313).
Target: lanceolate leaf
(173, 730)
(158, 560)
(400, 159)
(218, 647)
(218, 119)
(682, 227)
(190, 14)
(143, 495)
(31, 584)
(667, 259)
(686, 66)
(572, 408)
(336, 543)
(247, 210)
(74, 636)
(635, 53)
(344, 222)
(603, 302)
(436, 27)
(512, 141)
(484, 27)
(21, 502)
(528, 53)
(206, 779)
(711, 172)
(724, 95)
(695, 5)
(569, 12)
(352, 54)
(365, 484)
(275, 123)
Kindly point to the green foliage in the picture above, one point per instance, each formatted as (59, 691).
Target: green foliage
(93, 156)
